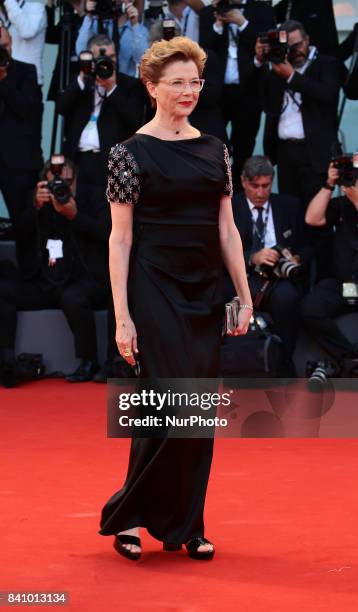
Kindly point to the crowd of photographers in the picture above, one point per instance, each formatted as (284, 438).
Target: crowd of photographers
(301, 246)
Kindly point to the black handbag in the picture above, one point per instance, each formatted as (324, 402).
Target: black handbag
(258, 354)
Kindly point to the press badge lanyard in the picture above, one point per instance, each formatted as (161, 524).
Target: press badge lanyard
(289, 93)
(97, 107)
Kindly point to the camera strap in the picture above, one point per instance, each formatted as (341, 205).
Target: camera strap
(101, 96)
(288, 10)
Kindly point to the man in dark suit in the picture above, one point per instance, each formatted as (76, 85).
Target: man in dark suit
(332, 297)
(232, 35)
(98, 114)
(317, 17)
(265, 220)
(300, 97)
(65, 259)
(20, 129)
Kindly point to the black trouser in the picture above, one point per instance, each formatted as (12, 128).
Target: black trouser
(8, 294)
(15, 187)
(92, 168)
(296, 176)
(77, 300)
(318, 311)
(245, 123)
(283, 304)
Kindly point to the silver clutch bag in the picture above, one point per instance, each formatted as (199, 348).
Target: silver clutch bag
(231, 319)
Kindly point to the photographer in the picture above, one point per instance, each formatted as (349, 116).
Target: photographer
(26, 22)
(300, 93)
(20, 128)
(123, 25)
(100, 110)
(317, 17)
(334, 295)
(65, 251)
(232, 33)
(268, 224)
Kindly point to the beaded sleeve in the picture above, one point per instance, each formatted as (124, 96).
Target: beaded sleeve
(228, 185)
(123, 185)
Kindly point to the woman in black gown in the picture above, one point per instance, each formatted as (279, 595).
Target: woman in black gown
(172, 227)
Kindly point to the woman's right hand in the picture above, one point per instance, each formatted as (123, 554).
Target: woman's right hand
(126, 338)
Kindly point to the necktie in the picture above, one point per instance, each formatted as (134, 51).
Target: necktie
(258, 240)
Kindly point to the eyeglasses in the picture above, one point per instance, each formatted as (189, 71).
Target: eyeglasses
(179, 85)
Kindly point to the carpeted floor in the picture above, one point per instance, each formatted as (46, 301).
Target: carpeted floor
(282, 513)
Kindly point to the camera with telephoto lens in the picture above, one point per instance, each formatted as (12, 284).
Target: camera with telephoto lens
(108, 9)
(318, 372)
(277, 41)
(286, 267)
(92, 67)
(59, 187)
(347, 166)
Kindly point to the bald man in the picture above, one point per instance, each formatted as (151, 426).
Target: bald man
(20, 128)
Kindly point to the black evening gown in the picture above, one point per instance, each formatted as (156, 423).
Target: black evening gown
(175, 299)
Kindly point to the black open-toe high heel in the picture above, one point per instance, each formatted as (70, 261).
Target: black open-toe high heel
(120, 540)
(192, 548)
(193, 552)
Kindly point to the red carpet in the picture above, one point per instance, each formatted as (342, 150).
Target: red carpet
(282, 513)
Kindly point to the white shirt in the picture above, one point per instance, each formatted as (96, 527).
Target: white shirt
(89, 139)
(270, 234)
(190, 25)
(290, 124)
(232, 76)
(27, 25)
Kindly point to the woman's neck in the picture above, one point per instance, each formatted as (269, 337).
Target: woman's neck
(171, 125)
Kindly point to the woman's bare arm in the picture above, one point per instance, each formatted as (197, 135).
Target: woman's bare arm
(231, 247)
(120, 244)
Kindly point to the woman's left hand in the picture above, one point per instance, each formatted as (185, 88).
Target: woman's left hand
(245, 315)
